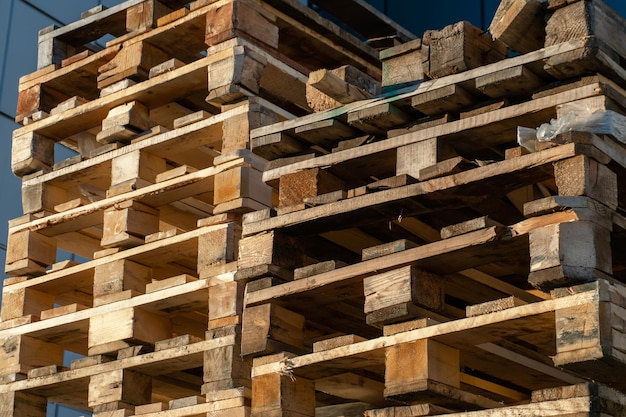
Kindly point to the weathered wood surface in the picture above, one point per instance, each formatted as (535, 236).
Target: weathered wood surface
(453, 333)
(519, 24)
(537, 166)
(323, 266)
(465, 80)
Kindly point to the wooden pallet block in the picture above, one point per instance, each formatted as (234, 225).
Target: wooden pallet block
(325, 133)
(450, 98)
(378, 119)
(23, 353)
(15, 403)
(242, 182)
(137, 168)
(593, 21)
(35, 98)
(124, 122)
(457, 48)
(128, 224)
(236, 129)
(119, 276)
(229, 79)
(328, 89)
(237, 18)
(585, 176)
(133, 61)
(274, 394)
(412, 159)
(124, 327)
(270, 328)
(225, 367)
(510, 82)
(24, 302)
(31, 152)
(121, 385)
(226, 300)
(402, 65)
(294, 188)
(592, 352)
(29, 253)
(270, 248)
(392, 296)
(218, 247)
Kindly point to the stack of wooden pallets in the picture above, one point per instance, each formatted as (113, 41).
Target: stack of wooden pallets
(122, 245)
(268, 217)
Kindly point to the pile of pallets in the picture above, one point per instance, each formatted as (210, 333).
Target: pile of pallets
(266, 216)
(422, 256)
(122, 245)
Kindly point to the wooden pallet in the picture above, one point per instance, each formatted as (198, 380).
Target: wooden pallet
(235, 254)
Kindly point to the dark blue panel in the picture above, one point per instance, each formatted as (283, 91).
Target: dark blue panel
(68, 13)
(418, 17)
(618, 5)
(21, 52)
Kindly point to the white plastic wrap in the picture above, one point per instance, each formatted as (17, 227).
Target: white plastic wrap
(576, 118)
(526, 138)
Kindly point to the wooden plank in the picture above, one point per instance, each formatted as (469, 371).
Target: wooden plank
(417, 410)
(441, 100)
(169, 360)
(491, 306)
(406, 94)
(510, 82)
(468, 226)
(370, 267)
(493, 121)
(154, 195)
(378, 119)
(345, 210)
(325, 133)
(352, 387)
(447, 333)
